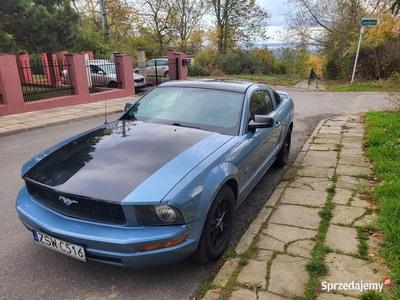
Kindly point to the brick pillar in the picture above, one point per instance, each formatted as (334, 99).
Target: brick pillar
(77, 74)
(10, 86)
(46, 70)
(177, 70)
(24, 66)
(125, 72)
(90, 53)
(141, 58)
(62, 56)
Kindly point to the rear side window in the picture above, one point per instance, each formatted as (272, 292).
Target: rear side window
(278, 98)
(162, 63)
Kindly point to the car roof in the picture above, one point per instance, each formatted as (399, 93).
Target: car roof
(217, 84)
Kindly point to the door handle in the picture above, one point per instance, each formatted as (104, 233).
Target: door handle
(278, 124)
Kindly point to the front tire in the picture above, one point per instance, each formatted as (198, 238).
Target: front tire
(217, 228)
(283, 155)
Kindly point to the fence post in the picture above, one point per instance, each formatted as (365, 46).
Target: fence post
(125, 72)
(25, 71)
(77, 74)
(10, 85)
(176, 65)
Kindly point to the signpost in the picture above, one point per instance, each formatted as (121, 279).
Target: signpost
(364, 22)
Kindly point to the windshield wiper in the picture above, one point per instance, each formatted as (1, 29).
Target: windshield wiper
(187, 126)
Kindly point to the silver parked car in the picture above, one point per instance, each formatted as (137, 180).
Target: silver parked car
(103, 73)
(151, 70)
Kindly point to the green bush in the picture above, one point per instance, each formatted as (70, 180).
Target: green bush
(235, 62)
(241, 62)
(279, 67)
(197, 70)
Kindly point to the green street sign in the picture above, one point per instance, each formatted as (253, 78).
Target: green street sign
(369, 22)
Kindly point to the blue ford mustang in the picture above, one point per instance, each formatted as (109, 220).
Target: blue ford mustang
(163, 181)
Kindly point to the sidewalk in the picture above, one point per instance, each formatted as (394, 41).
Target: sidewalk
(49, 117)
(315, 84)
(293, 237)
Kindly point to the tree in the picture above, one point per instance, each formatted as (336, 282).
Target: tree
(238, 22)
(188, 16)
(39, 25)
(159, 15)
(122, 20)
(395, 7)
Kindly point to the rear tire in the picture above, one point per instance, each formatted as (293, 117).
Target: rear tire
(217, 228)
(166, 74)
(283, 155)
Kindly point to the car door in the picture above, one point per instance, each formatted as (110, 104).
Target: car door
(150, 68)
(259, 143)
(162, 67)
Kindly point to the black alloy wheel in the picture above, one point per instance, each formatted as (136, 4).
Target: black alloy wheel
(217, 227)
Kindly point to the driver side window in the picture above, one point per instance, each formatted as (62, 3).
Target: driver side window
(260, 104)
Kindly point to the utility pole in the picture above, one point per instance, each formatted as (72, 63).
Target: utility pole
(104, 19)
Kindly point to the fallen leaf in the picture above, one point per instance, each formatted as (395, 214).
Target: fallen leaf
(374, 271)
(372, 255)
(377, 234)
(217, 290)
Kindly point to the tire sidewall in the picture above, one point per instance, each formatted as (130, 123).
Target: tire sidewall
(212, 254)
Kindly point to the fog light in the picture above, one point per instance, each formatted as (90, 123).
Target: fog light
(166, 213)
(163, 245)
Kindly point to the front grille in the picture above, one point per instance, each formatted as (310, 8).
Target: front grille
(139, 80)
(79, 207)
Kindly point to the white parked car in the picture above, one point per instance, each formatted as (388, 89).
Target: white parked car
(103, 73)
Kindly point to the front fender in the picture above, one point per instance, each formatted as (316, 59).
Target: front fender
(218, 176)
(193, 195)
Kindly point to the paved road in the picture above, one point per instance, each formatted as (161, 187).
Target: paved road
(28, 271)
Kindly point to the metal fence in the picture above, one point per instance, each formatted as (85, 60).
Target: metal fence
(103, 74)
(43, 79)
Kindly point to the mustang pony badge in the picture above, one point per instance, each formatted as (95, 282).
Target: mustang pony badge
(67, 201)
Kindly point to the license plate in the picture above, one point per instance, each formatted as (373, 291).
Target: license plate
(63, 247)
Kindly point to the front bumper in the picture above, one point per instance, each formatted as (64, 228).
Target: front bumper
(107, 243)
(140, 84)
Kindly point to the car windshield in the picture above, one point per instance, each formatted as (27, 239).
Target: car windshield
(207, 109)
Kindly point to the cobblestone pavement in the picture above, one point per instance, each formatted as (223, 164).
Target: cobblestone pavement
(319, 209)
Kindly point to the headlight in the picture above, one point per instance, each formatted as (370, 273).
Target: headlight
(154, 215)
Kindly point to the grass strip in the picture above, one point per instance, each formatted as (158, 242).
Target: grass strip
(383, 148)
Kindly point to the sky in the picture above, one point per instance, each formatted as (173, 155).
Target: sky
(278, 9)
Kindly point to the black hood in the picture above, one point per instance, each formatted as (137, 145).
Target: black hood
(110, 162)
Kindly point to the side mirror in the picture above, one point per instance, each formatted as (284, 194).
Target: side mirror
(128, 106)
(261, 121)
